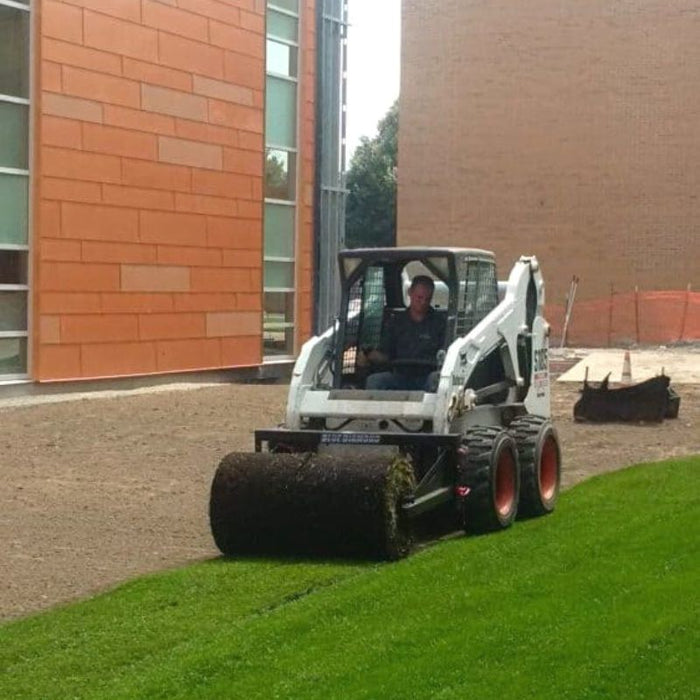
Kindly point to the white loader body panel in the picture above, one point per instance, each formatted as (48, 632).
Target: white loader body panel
(449, 408)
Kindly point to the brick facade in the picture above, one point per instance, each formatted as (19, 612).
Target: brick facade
(148, 185)
(565, 129)
(307, 145)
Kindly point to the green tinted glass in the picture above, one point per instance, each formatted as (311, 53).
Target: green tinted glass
(279, 174)
(282, 26)
(13, 355)
(279, 275)
(13, 311)
(281, 112)
(279, 308)
(278, 323)
(278, 341)
(14, 123)
(14, 52)
(13, 209)
(13, 266)
(279, 231)
(291, 5)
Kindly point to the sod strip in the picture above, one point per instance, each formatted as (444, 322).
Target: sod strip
(310, 504)
(598, 600)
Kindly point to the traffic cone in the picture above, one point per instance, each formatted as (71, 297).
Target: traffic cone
(626, 369)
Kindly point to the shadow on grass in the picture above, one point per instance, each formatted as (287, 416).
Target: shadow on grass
(425, 531)
(287, 559)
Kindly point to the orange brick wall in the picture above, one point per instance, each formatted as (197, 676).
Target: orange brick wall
(148, 188)
(305, 257)
(567, 129)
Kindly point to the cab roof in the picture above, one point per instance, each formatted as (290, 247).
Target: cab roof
(412, 252)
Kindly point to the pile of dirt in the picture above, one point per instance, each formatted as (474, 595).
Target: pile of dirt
(97, 491)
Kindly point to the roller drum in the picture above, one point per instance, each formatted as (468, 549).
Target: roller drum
(311, 504)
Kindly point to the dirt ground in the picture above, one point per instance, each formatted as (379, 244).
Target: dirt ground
(96, 491)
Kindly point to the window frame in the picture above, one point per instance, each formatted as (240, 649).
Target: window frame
(16, 5)
(285, 42)
(291, 292)
(27, 173)
(292, 155)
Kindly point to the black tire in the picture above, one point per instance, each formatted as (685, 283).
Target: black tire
(540, 464)
(491, 473)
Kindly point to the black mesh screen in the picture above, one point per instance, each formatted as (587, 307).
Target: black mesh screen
(478, 293)
(363, 328)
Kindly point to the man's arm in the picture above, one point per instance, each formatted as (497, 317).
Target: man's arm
(377, 356)
(382, 354)
(372, 356)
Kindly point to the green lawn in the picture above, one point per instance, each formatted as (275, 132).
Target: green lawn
(599, 600)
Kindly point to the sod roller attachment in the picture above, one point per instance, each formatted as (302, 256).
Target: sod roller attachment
(311, 504)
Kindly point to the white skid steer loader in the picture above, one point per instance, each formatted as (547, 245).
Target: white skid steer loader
(352, 470)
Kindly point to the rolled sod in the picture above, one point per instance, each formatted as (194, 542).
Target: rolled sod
(311, 504)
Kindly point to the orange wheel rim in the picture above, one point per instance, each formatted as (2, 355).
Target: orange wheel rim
(549, 468)
(505, 483)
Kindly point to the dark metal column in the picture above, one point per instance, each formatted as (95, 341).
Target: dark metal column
(331, 193)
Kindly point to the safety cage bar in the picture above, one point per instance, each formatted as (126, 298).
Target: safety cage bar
(374, 285)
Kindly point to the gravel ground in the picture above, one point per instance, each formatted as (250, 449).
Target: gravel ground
(96, 491)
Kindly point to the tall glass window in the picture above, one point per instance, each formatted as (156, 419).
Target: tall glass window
(281, 118)
(14, 187)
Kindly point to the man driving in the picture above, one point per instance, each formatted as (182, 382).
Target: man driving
(410, 343)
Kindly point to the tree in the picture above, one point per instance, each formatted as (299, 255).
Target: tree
(277, 175)
(371, 207)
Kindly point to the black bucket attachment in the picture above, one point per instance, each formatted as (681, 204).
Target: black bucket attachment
(649, 401)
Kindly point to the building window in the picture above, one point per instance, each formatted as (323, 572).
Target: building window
(282, 25)
(280, 172)
(281, 112)
(281, 119)
(14, 187)
(281, 59)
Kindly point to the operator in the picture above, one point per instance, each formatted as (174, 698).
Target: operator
(411, 343)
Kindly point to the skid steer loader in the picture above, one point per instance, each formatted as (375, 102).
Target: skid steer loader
(352, 471)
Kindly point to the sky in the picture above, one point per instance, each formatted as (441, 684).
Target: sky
(374, 58)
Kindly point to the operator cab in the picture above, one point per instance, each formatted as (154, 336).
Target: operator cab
(375, 284)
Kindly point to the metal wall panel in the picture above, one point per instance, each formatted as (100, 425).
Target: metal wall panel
(330, 160)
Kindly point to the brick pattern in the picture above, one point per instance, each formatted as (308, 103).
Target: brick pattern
(565, 129)
(148, 207)
(305, 255)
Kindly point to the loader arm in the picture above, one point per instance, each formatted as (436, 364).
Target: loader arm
(518, 315)
(312, 368)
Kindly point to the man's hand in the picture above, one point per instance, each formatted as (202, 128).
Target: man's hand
(370, 356)
(362, 359)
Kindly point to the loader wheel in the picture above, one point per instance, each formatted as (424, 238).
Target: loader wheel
(491, 473)
(540, 464)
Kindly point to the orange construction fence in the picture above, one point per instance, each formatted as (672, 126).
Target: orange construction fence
(629, 318)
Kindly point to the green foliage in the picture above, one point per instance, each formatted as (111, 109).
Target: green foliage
(371, 207)
(598, 600)
(277, 175)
